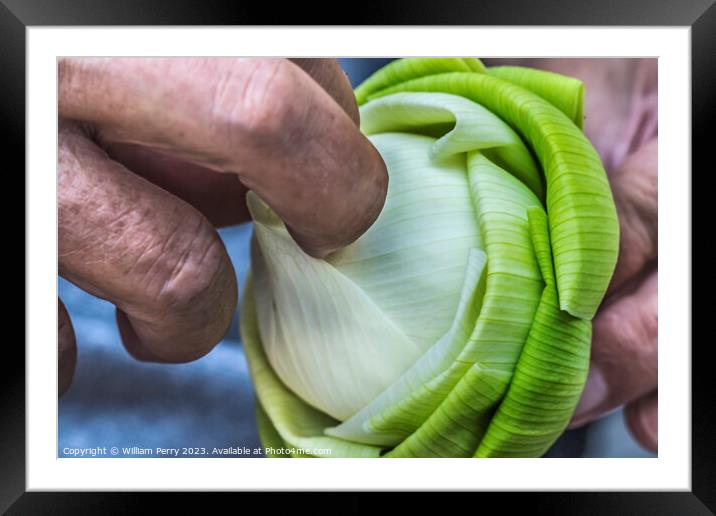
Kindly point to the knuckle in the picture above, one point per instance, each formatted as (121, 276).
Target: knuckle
(267, 97)
(176, 269)
(187, 276)
(625, 338)
(264, 107)
(609, 332)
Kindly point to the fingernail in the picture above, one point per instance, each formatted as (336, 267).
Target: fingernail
(594, 394)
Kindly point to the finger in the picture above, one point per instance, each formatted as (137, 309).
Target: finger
(635, 187)
(264, 119)
(219, 197)
(66, 349)
(642, 418)
(329, 74)
(154, 256)
(624, 353)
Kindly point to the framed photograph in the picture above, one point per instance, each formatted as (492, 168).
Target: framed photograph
(436, 244)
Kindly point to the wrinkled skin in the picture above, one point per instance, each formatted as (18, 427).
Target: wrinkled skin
(621, 121)
(154, 154)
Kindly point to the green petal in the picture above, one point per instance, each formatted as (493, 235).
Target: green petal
(297, 424)
(546, 385)
(494, 371)
(312, 320)
(411, 263)
(550, 374)
(482, 372)
(274, 447)
(539, 233)
(563, 92)
(468, 125)
(402, 70)
(404, 406)
(582, 216)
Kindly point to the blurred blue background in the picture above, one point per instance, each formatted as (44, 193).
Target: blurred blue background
(117, 401)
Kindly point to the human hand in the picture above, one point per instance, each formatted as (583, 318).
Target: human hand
(156, 153)
(621, 121)
(625, 333)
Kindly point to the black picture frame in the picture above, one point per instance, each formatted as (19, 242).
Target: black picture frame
(700, 15)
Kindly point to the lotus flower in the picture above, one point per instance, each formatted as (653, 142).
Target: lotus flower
(459, 324)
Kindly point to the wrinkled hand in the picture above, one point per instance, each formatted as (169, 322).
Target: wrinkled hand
(621, 121)
(156, 153)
